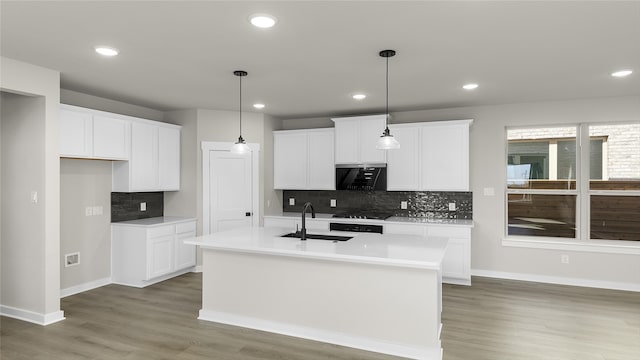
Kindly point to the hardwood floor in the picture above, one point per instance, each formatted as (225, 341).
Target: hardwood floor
(492, 320)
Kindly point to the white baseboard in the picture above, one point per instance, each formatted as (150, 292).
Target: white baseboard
(30, 316)
(84, 287)
(375, 345)
(197, 269)
(557, 280)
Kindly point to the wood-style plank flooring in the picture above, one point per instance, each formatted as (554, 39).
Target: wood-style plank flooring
(492, 320)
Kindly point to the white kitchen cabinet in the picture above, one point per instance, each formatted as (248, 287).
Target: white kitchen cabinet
(404, 164)
(169, 158)
(303, 159)
(185, 254)
(143, 255)
(93, 134)
(433, 156)
(154, 163)
(356, 138)
(160, 256)
(456, 265)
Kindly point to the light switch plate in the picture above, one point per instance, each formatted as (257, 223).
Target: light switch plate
(489, 191)
(333, 202)
(403, 205)
(292, 201)
(143, 206)
(88, 211)
(452, 206)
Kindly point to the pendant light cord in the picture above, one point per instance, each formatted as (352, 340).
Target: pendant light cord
(387, 118)
(240, 109)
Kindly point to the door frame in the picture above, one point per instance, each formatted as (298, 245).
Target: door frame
(207, 147)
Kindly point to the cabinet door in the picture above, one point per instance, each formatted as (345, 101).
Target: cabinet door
(403, 166)
(144, 157)
(169, 158)
(185, 254)
(321, 165)
(75, 133)
(456, 265)
(445, 157)
(160, 256)
(370, 130)
(110, 138)
(290, 160)
(347, 141)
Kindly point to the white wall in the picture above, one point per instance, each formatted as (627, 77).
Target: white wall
(30, 232)
(85, 183)
(487, 148)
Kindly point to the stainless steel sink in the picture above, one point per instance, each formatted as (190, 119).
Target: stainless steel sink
(318, 236)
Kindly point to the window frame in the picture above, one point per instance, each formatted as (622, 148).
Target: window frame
(583, 193)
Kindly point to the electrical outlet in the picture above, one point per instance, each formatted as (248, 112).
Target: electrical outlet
(34, 197)
(88, 211)
(403, 205)
(292, 201)
(564, 259)
(333, 202)
(143, 206)
(452, 206)
(71, 259)
(268, 203)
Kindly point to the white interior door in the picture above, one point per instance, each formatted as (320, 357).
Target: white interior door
(230, 189)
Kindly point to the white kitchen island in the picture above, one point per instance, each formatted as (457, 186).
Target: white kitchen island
(375, 292)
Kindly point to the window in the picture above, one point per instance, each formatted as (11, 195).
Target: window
(574, 182)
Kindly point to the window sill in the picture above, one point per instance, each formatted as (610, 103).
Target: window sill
(597, 246)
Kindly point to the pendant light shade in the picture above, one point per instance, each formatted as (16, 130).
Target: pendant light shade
(240, 146)
(386, 140)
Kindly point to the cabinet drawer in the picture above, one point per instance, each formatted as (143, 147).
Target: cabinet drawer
(404, 229)
(186, 227)
(452, 232)
(161, 231)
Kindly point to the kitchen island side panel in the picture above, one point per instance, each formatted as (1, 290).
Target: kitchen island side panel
(394, 310)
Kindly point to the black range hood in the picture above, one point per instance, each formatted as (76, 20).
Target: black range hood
(362, 177)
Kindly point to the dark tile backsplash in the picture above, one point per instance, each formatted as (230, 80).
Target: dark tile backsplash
(419, 203)
(126, 206)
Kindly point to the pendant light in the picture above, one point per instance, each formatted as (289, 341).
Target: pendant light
(240, 147)
(386, 140)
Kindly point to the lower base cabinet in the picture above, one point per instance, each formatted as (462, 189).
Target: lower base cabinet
(144, 255)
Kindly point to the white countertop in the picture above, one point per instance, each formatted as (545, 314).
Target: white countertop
(391, 220)
(154, 221)
(388, 249)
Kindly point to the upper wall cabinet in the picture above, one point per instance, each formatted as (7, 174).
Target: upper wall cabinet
(93, 134)
(433, 156)
(303, 159)
(155, 159)
(356, 139)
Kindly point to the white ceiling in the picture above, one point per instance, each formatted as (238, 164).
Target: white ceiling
(180, 54)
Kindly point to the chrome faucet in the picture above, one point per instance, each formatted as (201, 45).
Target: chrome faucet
(303, 231)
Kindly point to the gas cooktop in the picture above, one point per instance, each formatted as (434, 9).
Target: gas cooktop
(363, 215)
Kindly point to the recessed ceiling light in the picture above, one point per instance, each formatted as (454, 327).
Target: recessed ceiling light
(359, 96)
(106, 51)
(470, 86)
(258, 106)
(263, 20)
(622, 73)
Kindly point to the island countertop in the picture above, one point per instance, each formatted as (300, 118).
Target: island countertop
(383, 249)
